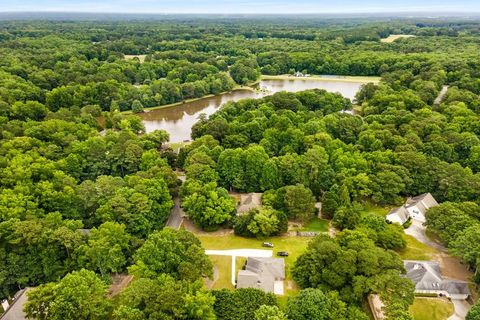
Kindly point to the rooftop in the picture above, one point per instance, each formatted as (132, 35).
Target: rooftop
(427, 277)
(262, 273)
(249, 201)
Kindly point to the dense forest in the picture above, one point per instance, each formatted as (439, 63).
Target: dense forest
(85, 192)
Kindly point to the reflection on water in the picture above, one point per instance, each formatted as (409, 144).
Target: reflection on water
(178, 120)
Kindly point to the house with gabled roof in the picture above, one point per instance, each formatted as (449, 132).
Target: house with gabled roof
(427, 277)
(417, 206)
(414, 208)
(266, 274)
(398, 215)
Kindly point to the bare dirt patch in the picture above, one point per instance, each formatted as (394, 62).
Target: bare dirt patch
(391, 38)
(119, 282)
(189, 226)
(452, 267)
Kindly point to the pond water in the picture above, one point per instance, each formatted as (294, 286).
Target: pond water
(178, 120)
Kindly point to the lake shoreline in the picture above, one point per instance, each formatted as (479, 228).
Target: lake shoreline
(250, 87)
(333, 78)
(176, 104)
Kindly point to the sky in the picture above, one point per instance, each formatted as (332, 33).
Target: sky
(242, 6)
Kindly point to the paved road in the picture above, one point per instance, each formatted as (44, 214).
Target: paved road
(258, 253)
(461, 309)
(417, 230)
(15, 312)
(176, 216)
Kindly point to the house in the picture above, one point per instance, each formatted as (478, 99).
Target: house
(266, 274)
(417, 206)
(414, 208)
(427, 277)
(249, 201)
(398, 215)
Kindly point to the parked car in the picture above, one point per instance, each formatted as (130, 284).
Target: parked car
(282, 254)
(267, 244)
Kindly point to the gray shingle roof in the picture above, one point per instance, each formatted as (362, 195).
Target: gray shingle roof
(261, 273)
(427, 276)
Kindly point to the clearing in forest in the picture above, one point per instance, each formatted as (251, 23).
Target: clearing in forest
(391, 38)
(140, 57)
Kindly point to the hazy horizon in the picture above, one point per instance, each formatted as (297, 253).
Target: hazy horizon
(241, 7)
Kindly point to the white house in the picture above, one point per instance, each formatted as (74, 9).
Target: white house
(417, 206)
(398, 215)
(414, 208)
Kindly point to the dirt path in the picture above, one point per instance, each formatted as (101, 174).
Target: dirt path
(331, 230)
(119, 282)
(189, 226)
(209, 283)
(441, 95)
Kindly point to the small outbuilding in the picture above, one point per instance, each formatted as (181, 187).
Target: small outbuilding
(249, 201)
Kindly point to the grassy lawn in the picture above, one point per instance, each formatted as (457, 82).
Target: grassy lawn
(372, 208)
(223, 263)
(431, 309)
(317, 225)
(416, 250)
(295, 246)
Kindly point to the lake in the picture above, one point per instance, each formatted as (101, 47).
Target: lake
(179, 119)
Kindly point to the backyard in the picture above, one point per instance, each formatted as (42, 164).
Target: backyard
(431, 309)
(416, 250)
(295, 246)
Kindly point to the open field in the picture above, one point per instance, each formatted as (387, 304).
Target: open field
(394, 37)
(416, 250)
(295, 246)
(431, 309)
(140, 57)
(323, 77)
(373, 208)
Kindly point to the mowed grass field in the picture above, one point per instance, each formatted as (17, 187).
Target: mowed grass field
(431, 309)
(295, 246)
(416, 250)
